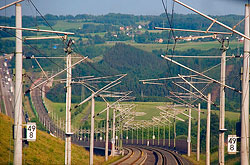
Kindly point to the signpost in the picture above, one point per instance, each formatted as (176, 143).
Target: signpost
(31, 131)
(232, 144)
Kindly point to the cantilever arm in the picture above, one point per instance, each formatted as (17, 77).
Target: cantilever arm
(11, 4)
(55, 75)
(211, 19)
(103, 88)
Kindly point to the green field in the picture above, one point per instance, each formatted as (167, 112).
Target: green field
(58, 111)
(144, 111)
(179, 46)
(63, 25)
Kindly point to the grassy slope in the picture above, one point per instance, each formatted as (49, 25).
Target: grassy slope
(229, 159)
(179, 46)
(45, 150)
(64, 25)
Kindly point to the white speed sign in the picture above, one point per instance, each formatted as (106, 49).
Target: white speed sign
(232, 144)
(31, 131)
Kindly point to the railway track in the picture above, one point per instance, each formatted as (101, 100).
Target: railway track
(135, 155)
(36, 97)
(168, 157)
(157, 156)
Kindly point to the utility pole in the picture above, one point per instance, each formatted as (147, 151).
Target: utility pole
(169, 137)
(121, 135)
(127, 137)
(222, 104)
(107, 134)
(174, 131)
(198, 132)
(164, 135)
(68, 133)
(153, 136)
(142, 135)
(137, 135)
(158, 135)
(189, 125)
(91, 156)
(148, 137)
(244, 153)
(189, 132)
(208, 129)
(113, 135)
(18, 90)
(132, 137)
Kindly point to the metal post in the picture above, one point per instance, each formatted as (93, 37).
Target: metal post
(142, 135)
(208, 130)
(136, 135)
(158, 135)
(244, 152)
(198, 132)
(84, 135)
(117, 140)
(107, 134)
(189, 132)
(127, 137)
(113, 135)
(121, 135)
(57, 124)
(153, 135)
(103, 128)
(81, 133)
(18, 90)
(91, 156)
(164, 135)
(148, 137)
(174, 131)
(222, 105)
(132, 136)
(169, 129)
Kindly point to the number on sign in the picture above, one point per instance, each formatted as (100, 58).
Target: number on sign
(31, 134)
(232, 140)
(33, 127)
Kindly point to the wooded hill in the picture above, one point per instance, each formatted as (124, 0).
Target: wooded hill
(92, 34)
(139, 65)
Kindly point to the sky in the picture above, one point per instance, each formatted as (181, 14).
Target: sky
(137, 7)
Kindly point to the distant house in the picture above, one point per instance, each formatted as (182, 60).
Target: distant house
(129, 28)
(122, 28)
(159, 40)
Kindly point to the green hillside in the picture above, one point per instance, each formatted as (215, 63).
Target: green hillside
(45, 150)
(139, 64)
